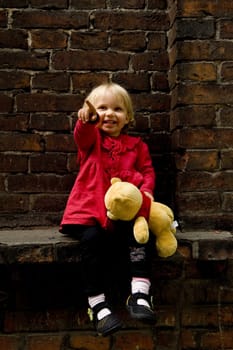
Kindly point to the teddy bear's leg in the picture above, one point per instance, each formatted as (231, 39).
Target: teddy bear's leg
(166, 244)
(141, 230)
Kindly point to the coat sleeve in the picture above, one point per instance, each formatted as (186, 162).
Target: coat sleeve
(85, 136)
(144, 165)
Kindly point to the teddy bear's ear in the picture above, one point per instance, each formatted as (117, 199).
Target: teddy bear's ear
(115, 179)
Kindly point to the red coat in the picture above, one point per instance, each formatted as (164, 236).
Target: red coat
(102, 157)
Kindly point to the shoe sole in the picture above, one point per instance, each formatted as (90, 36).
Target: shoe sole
(111, 330)
(141, 316)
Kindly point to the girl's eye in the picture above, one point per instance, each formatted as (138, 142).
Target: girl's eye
(118, 109)
(101, 108)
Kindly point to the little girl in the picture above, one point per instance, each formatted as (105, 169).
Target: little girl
(106, 151)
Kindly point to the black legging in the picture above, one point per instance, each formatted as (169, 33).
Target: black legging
(103, 252)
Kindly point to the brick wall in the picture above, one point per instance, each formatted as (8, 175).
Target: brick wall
(52, 54)
(46, 307)
(175, 62)
(203, 114)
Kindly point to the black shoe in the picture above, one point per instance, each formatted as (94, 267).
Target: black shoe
(140, 312)
(107, 325)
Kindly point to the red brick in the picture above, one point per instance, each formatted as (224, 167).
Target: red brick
(197, 181)
(130, 20)
(14, 3)
(205, 94)
(49, 203)
(192, 8)
(21, 142)
(204, 138)
(40, 320)
(154, 4)
(50, 121)
(14, 203)
(188, 339)
(227, 159)
(51, 81)
(14, 38)
(156, 41)
(226, 117)
(24, 60)
(93, 40)
(6, 103)
(33, 183)
(150, 61)
(72, 163)
(142, 123)
(41, 102)
(90, 60)
(58, 4)
(195, 116)
(128, 4)
(227, 204)
(48, 39)
(206, 291)
(89, 342)
(200, 160)
(226, 29)
(204, 49)
(43, 341)
(3, 18)
(200, 316)
(133, 340)
(10, 342)
(227, 71)
(151, 102)
(215, 340)
(198, 71)
(48, 163)
(87, 4)
(194, 203)
(87, 81)
(14, 80)
(128, 41)
(12, 122)
(195, 28)
(159, 121)
(60, 143)
(2, 183)
(13, 163)
(167, 339)
(132, 81)
(159, 81)
(50, 19)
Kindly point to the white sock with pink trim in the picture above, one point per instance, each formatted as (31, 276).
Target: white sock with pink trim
(141, 285)
(96, 299)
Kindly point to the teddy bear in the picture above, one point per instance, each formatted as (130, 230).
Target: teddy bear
(124, 201)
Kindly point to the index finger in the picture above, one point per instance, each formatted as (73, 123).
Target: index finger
(91, 107)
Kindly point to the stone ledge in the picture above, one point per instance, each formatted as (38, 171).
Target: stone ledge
(47, 245)
(42, 245)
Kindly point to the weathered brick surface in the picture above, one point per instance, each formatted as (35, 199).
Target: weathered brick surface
(175, 58)
(47, 307)
(55, 52)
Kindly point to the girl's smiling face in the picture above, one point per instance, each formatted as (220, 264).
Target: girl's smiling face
(112, 112)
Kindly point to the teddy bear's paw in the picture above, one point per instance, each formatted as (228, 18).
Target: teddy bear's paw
(166, 248)
(141, 238)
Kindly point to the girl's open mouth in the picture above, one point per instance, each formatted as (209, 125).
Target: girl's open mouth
(109, 122)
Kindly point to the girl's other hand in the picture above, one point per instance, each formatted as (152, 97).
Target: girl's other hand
(88, 113)
(149, 195)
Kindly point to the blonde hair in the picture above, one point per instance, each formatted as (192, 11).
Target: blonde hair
(119, 91)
